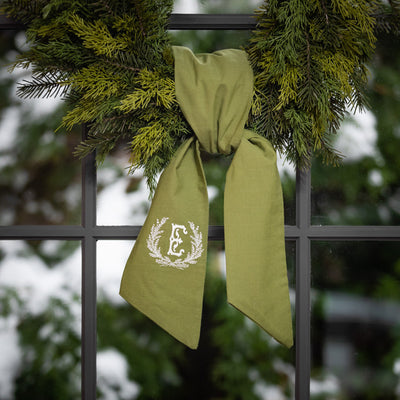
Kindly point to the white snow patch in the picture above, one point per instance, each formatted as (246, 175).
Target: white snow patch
(11, 356)
(111, 260)
(268, 392)
(186, 7)
(357, 137)
(112, 376)
(330, 385)
(34, 281)
(8, 128)
(212, 192)
(375, 178)
(396, 367)
(117, 207)
(285, 166)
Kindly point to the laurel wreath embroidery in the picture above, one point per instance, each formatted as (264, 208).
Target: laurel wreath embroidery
(165, 261)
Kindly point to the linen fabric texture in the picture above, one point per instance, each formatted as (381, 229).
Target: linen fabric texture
(165, 273)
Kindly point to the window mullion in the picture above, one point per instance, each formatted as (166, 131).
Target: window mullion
(89, 310)
(212, 21)
(303, 284)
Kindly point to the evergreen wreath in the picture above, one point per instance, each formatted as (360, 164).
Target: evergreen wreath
(112, 61)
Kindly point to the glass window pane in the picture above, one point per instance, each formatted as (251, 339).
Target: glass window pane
(355, 320)
(202, 41)
(208, 41)
(40, 320)
(366, 189)
(354, 194)
(39, 176)
(215, 6)
(287, 173)
(235, 358)
(123, 199)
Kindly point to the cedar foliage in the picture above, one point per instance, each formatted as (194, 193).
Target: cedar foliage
(112, 61)
(310, 65)
(309, 62)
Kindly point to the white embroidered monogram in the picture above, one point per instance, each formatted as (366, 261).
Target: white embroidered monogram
(175, 241)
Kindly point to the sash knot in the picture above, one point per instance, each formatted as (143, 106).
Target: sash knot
(216, 109)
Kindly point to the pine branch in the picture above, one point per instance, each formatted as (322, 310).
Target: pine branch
(42, 86)
(96, 36)
(103, 8)
(24, 11)
(122, 66)
(103, 145)
(309, 57)
(139, 13)
(388, 18)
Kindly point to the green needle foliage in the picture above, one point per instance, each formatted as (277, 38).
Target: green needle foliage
(309, 59)
(112, 61)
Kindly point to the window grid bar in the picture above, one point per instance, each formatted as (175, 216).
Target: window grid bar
(36, 232)
(89, 233)
(215, 232)
(357, 233)
(182, 21)
(89, 281)
(303, 285)
(212, 21)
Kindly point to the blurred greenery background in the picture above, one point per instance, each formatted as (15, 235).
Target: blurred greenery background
(356, 285)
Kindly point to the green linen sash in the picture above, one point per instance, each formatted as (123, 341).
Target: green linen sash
(164, 275)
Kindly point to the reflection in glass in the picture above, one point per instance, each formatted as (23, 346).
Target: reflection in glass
(287, 173)
(39, 175)
(355, 320)
(40, 320)
(235, 358)
(123, 199)
(215, 6)
(207, 41)
(355, 193)
(366, 189)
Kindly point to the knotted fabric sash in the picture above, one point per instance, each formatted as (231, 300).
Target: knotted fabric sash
(164, 275)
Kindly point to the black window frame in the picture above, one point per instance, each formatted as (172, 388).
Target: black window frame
(302, 233)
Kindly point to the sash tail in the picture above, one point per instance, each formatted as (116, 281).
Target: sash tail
(257, 282)
(165, 272)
